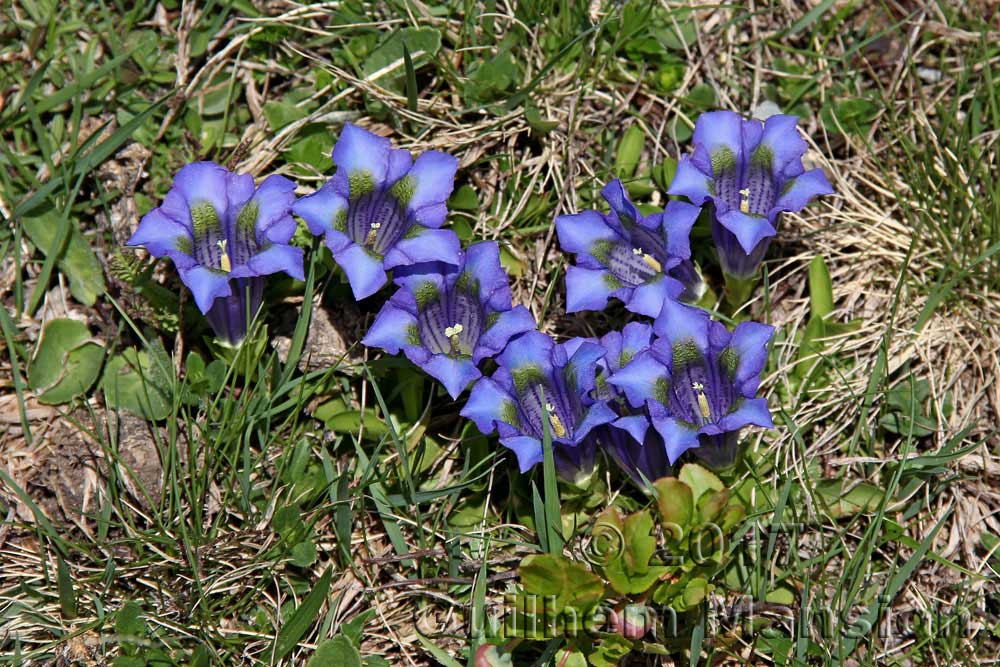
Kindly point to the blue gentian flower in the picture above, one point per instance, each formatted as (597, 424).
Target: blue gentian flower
(699, 382)
(638, 259)
(449, 317)
(224, 236)
(750, 172)
(630, 442)
(382, 209)
(536, 382)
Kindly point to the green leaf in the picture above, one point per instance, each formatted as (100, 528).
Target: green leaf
(133, 381)
(629, 151)
(610, 651)
(572, 584)
(820, 288)
(700, 479)
(77, 261)
(66, 362)
(67, 596)
(536, 122)
(292, 631)
(464, 199)
(336, 652)
(304, 553)
(281, 114)
(128, 622)
(675, 501)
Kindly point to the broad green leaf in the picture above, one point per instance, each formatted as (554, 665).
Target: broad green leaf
(676, 504)
(66, 362)
(304, 553)
(820, 288)
(77, 261)
(629, 151)
(133, 381)
(700, 480)
(280, 114)
(336, 652)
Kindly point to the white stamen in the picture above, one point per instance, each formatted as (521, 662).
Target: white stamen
(636, 251)
(452, 333)
(745, 200)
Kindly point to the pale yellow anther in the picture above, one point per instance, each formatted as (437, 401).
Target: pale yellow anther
(452, 334)
(652, 263)
(224, 262)
(745, 200)
(373, 233)
(557, 426)
(648, 260)
(706, 409)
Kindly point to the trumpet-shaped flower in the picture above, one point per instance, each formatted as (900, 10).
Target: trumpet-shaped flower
(538, 383)
(750, 172)
(447, 318)
(641, 260)
(699, 382)
(635, 447)
(224, 236)
(382, 209)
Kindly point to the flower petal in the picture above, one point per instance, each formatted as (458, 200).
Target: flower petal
(580, 368)
(614, 193)
(641, 379)
(597, 414)
(678, 219)
(748, 229)
(509, 323)
(782, 140)
(527, 449)
(274, 199)
(648, 298)
(161, 235)
(750, 341)
(454, 374)
(678, 323)
(400, 162)
(425, 245)
(751, 411)
(487, 404)
(364, 272)
(801, 190)
(677, 437)
(391, 330)
(321, 209)
(433, 175)
(579, 232)
(359, 152)
(206, 285)
(691, 182)
(272, 259)
(635, 425)
(205, 182)
(482, 262)
(530, 349)
(588, 289)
